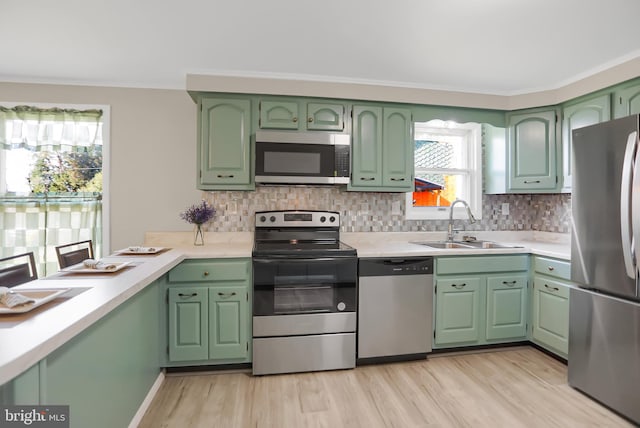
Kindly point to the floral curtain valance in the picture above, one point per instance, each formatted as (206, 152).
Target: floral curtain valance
(38, 129)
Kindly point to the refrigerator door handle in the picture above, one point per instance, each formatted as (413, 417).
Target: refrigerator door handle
(626, 205)
(635, 209)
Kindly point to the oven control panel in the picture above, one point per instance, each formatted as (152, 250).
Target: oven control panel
(297, 219)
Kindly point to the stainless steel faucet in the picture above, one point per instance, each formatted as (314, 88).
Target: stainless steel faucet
(450, 229)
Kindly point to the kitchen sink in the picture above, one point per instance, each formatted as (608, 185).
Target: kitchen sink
(463, 244)
(490, 244)
(444, 244)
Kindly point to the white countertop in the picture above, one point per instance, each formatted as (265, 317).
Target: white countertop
(28, 342)
(390, 244)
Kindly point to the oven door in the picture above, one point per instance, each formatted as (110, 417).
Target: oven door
(286, 286)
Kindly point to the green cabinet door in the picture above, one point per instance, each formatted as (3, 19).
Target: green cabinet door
(228, 314)
(506, 306)
(279, 114)
(188, 323)
(325, 117)
(225, 144)
(627, 101)
(397, 160)
(458, 304)
(366, 147)
(551, 314)
(533, 151)
(578, 115)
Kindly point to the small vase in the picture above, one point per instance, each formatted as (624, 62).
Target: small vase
(198, 239)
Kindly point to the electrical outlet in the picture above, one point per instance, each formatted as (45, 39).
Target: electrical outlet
(395, 208)
(505, 209)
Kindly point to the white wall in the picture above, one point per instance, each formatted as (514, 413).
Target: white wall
(153, 152)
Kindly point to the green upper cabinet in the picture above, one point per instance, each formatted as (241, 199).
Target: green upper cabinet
(225, 144)
(381, 149)
(577, 115)
(397, 148)
(626, 100)
(325, 117)
(366, 147)
(533, 151)
(279, 114)
(286, 114)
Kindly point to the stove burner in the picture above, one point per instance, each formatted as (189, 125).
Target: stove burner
(299, 234)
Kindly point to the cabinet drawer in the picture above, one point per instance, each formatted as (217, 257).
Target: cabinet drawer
(200, 271)
(484, 264)
(552, 267)
(550, 286)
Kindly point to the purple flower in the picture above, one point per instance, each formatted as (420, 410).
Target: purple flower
(198, 213)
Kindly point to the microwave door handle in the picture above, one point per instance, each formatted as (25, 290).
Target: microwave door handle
(626, 205)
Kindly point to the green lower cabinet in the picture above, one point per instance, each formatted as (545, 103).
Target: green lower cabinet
(228, 309)
(188, 323)
(208, 323)
(506, 307)
(458, 306)
(550, 316)
(209, 312)
(480, 300)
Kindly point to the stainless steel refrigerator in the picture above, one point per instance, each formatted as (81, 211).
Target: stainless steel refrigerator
(604, 316)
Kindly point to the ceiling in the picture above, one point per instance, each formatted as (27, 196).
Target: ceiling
(502, 47)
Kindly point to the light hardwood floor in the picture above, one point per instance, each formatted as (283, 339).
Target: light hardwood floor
(518, 387)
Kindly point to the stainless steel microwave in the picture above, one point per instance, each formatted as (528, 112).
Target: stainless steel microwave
(289, 157)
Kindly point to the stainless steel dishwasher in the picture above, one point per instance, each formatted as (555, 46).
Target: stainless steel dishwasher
(395, 308)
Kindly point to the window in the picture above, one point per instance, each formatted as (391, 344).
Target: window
(447, 165)
(50, 180)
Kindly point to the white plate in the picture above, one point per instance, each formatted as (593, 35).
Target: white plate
(81, 268)
(41, 296)
(140, 250)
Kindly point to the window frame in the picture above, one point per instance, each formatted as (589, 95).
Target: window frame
(106, 158)
(473, 134)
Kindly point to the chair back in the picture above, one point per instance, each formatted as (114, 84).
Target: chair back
(16, 270)
(74, 253)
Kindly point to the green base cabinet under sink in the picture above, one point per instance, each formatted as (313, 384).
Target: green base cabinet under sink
(480, 300)
(208, 312)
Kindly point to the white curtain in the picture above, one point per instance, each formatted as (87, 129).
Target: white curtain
(40, 222)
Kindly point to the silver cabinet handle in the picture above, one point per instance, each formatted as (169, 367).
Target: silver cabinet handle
(552, 288)
(225, 176)
(233, 293)
(310, 120)
(509, 283)
(459, 286)
(187, 295)
(295, 119)
(531, 181)
(397, 179)
(551, 268)
(367, 178)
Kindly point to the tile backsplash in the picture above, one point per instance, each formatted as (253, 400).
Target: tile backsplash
(372, 211)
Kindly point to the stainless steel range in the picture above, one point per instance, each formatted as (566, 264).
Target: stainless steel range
(304, 293)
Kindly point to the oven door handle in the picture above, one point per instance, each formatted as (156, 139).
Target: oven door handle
(272, 260)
